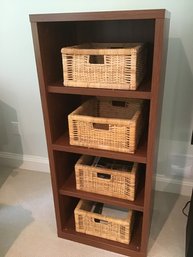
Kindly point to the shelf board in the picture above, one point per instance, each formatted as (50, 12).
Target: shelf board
(143, 92)
(62, 144)
(69, 188)
(133, 249)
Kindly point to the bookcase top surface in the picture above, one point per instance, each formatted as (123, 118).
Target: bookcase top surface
(106, 15)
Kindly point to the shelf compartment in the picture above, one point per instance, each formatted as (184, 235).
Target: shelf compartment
(62, 144)
(143, 91)
(69, 189)
(133, 249)
(147, 26)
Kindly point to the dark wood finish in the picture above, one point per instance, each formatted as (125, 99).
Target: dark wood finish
(50, 33)
(64, 166)
(69, 188)
(154, 124)
(133, 249)
(58, 203)
(63, 34)
(62, 144)
(59, 106)
(143, 92)
(89, 16)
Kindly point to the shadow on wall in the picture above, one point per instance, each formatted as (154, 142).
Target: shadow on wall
(175, 134)
(175, 156)
(10, 142)
(13, 219)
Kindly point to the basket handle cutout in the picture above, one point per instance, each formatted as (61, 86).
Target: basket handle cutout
(101, 126)
(96, 59)
(103, 175)
(101, 221)
(119, 103)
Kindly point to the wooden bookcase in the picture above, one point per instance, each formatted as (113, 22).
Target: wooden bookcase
(50, 33)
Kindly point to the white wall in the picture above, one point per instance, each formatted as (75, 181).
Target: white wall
(19, 92)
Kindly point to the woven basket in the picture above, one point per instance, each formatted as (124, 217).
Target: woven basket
(104, 65)
(106, 123)
(103, 226)
(106, 181)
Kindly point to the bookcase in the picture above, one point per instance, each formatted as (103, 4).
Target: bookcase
(50, 33)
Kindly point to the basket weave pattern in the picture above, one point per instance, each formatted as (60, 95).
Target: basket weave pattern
(110, 228)
(101, 124)
(120, 184)
(120, 68)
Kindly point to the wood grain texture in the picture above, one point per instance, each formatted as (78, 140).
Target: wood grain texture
(154, 126)
(50, 33)
(113, 15)
(143, 92)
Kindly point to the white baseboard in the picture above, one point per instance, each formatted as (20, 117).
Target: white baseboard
(171, 185)
(37, 163)
(28, 162)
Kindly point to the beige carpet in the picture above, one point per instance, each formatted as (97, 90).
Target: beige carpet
(28, 229)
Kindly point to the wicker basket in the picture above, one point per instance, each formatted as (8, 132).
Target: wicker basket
(108, 227)
(106, 123)
(113, 178)
(104, 65)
